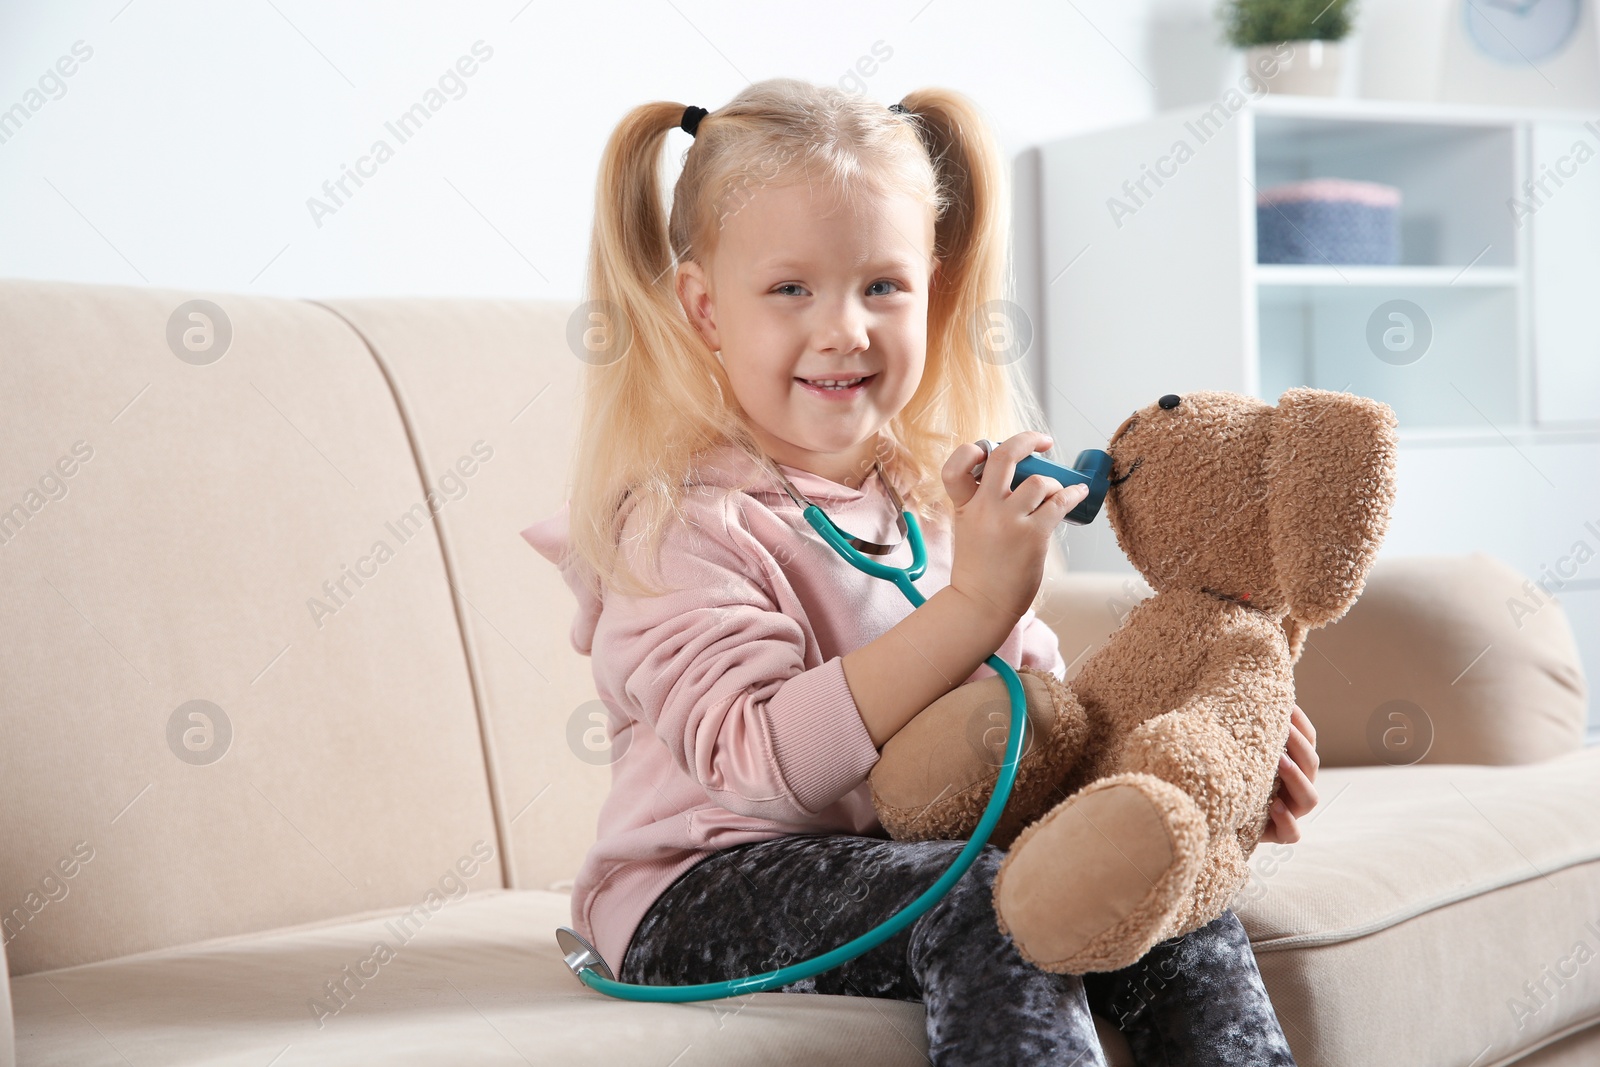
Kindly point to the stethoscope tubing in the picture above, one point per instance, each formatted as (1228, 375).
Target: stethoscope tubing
(757, 983)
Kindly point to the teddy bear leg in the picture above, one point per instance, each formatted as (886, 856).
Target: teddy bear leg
(1223, 872)
(935, 776)
(1094, 884)
(1193, 751)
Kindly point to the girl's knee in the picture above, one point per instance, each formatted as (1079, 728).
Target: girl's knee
(973, 892)
(963, 920)
(1220, 946)
(986, 867)
(1225, 928)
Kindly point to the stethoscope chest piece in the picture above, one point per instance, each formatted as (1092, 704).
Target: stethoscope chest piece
(581, 955)
(1091, 468)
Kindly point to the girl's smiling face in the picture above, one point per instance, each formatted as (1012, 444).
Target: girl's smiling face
(803, 287)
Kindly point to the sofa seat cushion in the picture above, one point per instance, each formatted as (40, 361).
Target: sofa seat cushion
(1436, 914)
(481, 981)
(1453, 909)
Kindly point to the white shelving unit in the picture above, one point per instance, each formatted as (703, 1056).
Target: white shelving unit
(1151, 286)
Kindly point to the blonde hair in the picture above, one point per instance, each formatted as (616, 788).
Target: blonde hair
(651, 408)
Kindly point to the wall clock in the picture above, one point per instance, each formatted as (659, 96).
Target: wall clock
(1518, 32)
(1518, 53)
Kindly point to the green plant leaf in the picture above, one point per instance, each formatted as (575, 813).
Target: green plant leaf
(1247, 23)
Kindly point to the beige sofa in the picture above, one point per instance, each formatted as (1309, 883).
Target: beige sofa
(356, 849)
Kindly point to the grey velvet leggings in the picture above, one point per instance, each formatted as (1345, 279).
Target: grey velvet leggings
(1192, 1000)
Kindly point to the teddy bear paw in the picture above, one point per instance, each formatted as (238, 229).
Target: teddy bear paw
(1094, 884)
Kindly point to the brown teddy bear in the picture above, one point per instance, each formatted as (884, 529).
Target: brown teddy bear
(1253, 524)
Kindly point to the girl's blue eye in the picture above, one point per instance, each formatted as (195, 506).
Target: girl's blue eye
(881, 281)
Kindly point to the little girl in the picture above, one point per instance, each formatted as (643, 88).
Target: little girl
(812, 317)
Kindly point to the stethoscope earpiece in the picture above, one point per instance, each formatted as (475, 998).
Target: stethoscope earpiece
(860, 544)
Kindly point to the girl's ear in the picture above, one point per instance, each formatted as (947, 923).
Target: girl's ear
(695, 296)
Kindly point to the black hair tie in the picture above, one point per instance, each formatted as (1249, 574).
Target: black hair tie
(692, 116)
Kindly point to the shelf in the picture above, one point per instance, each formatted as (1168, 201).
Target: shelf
(1334, 336)
(1321, 111)
(1517, 434)
(1496, 258)
(1454, 180)
(1357, 274)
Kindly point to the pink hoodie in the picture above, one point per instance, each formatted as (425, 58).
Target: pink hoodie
(731, 718)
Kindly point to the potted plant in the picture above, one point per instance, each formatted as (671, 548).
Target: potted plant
(1290, 46)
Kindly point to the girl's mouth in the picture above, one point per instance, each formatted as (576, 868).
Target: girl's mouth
(849, 387)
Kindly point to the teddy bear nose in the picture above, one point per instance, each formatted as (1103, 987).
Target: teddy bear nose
(1169, 401)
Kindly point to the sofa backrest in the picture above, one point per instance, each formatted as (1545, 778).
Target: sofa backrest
(501, 372)
(234, 692)
(1442, 659)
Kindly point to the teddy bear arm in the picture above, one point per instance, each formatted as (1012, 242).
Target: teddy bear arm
(1221, 745)
(1250, 686)
(935, 777)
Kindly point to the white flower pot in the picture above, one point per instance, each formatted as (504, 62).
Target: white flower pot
(1305, 68)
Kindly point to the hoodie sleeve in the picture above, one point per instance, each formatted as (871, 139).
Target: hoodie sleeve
(717, 670)
(1041, 648)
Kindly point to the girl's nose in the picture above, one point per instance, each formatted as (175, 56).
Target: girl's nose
(844, 329)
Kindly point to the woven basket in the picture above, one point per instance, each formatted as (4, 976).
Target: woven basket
(1328, 220)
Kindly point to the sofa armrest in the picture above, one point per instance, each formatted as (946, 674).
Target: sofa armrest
(1445, 659)
(1434, 663)
(8, 1029)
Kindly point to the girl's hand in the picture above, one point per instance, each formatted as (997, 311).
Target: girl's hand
(1001, 535)
(1296, 770)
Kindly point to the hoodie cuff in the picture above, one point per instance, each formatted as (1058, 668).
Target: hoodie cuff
(821, 744)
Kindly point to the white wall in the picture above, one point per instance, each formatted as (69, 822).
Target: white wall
(184, 150)
(188, 147)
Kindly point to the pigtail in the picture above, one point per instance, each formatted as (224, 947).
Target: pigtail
(970, 393)
(650, 400)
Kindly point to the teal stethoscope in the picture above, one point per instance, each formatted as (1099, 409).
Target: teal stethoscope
(1092, 467)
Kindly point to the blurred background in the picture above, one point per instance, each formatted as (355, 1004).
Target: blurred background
(1404, 206)
(185, 150)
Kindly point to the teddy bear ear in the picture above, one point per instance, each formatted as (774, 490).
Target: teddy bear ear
(1330, 470)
